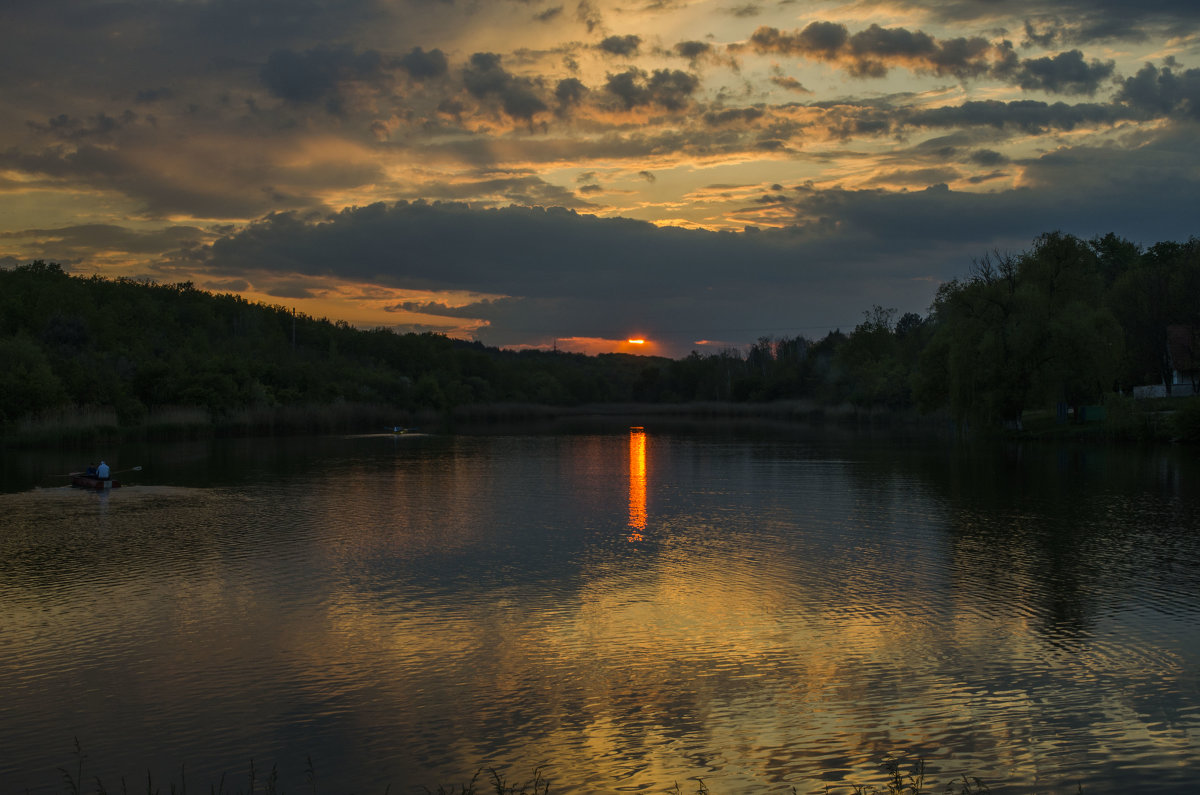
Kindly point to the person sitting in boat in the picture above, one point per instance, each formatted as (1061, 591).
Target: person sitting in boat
(91, 470)
(102, 471)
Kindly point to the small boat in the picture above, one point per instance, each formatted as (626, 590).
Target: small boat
(92, 482)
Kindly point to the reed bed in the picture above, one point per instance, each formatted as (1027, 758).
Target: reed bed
(68, 424)
(85, 424)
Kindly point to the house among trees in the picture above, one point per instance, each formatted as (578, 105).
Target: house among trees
(1183, 350)
(1182, 363)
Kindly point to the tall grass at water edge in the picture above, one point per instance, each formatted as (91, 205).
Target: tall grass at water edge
(88, 424)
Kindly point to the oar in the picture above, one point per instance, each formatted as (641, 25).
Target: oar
(110, 474)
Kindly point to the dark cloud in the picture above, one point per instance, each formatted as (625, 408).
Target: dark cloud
(149, 96)
(745, 10)
(80, 242)
(549, 14)
(823, 40)
(1087, 20)
(229, 285)
(789, 83)
(919, 177)
(422, 65)
(520, 252)
(692, 49)
(668, 88)
(511, 250)
(1027, 115)
(319, 73)
(87, 163)
(101, 126)
(874, 51)
(1065, 73)
(621, 45)
(1144, 193)
(489, 189)
(484, 77)
(102, 47)
(229, 184)
(717, 118)
(522, 101)
(987, 157)
(1163, 92)
(979, 179)
(844, 249)
(875, 48)
(586, 13)
(570, 91)
(1043, 33)
(290, 288)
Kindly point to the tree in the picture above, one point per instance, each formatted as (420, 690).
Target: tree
(1157, 291)
(870, 364)
(1022, 329)
(28, 385)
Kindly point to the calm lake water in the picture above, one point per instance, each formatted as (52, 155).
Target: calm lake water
(761, 607)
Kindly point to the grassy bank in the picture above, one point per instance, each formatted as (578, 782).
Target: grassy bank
(1121, 419)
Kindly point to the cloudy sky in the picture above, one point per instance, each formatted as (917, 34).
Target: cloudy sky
(700, 173)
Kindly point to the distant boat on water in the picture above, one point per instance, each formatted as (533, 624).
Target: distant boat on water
(91, 479)
(93, 482)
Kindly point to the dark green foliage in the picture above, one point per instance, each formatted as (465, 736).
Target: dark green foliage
(1187, 421)
(139, 348)
(1067, 323)
(872, 362)
(27, 381)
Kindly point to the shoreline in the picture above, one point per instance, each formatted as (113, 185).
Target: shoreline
(89, 424)
(1125, 421)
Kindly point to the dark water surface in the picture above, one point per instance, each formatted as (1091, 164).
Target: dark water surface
(632, 608)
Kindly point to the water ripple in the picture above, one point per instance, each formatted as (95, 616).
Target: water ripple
(781, 614)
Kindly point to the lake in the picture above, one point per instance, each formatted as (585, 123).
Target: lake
(755, 606)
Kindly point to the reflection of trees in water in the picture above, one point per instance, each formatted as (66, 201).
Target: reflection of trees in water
(1071, 576)
(1065, 533)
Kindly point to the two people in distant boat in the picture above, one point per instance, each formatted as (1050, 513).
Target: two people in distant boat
(101, 471)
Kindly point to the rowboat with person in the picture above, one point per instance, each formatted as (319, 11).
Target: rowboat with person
(98, 477)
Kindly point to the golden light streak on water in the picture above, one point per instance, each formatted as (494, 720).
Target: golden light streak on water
(637, 482)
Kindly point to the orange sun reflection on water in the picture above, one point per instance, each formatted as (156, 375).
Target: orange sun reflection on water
(637, 482)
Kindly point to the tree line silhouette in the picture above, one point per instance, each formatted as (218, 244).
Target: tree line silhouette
(1066, 321)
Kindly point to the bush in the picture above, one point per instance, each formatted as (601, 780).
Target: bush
(1187, 421)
